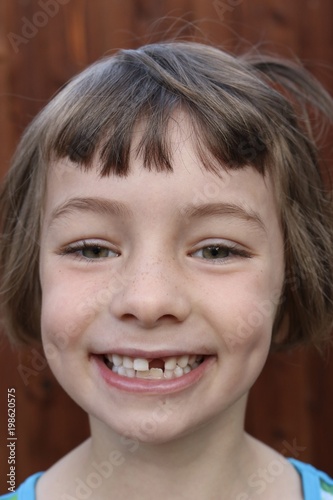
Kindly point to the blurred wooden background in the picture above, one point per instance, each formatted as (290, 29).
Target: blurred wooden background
(42, 44)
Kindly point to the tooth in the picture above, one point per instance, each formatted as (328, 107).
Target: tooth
(156, 373)
(192, 359)
(168, 373)
(117, 360)
(141, 365)
(122, 371)
(182, 361)
(178, 371)
(143, 374)
(127, 362)
(170, 363)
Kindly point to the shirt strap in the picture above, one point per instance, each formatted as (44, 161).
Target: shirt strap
(310, 479)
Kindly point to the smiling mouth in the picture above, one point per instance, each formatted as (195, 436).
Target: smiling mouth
(155, 369)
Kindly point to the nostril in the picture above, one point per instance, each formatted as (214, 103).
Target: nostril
(148, 319)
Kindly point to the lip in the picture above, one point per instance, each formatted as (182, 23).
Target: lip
(145, 386)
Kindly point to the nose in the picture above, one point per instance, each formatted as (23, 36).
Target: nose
(152, 293)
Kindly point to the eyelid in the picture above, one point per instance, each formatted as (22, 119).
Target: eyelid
(234, 249)
(77, 246)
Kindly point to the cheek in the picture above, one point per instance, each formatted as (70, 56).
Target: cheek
(68, 307)
(243, 311)
(59, 329)
(250, 327)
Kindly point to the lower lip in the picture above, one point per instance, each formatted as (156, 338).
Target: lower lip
(161, 386)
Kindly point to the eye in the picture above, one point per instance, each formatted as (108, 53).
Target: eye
(215, 252)
(219, 252)
(96, 252)
(89, 251)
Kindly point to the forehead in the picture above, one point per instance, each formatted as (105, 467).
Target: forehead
(188, 185)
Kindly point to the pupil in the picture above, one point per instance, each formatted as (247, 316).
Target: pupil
(215, 252)
(90, 252)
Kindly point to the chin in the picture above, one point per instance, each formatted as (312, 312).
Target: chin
(148, 428)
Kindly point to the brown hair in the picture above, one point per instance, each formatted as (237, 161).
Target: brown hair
(245, 110)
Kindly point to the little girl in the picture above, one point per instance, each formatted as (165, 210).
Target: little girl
(164, 226)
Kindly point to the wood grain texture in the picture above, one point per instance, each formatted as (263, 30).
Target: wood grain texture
(289, 407)
(5, 119)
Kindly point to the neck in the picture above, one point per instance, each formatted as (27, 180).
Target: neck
(203, 463)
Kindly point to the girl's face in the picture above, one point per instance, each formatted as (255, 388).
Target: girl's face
(177, 274)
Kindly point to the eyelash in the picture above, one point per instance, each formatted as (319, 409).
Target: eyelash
(75, 249)
(232, 250)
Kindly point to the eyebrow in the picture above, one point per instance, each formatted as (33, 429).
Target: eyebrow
(101, 206)
(108, 207)
(223, 209)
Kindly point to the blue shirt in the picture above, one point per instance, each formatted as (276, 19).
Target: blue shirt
(316, 484)
(26, 491)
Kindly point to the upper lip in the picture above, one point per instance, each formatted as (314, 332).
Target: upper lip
(163, 353)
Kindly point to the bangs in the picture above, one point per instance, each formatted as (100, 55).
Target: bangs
(97, 112)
